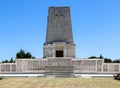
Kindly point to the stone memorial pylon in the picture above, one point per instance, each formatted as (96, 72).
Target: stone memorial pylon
(59, 48)
(59, 37)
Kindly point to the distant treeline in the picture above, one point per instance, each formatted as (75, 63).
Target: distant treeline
(106, 60)
(19, 55)
(9, 61)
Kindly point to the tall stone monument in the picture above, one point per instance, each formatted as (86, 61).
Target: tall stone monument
(59, 37)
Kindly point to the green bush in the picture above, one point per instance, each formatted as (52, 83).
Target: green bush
(117, 76)
(1, 77)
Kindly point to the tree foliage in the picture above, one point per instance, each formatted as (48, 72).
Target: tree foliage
(92, 57)
(107, 60)
(9, 61)
(20, 54)
(100, 57)
(28, 55)
(23, 54)
(116, 61)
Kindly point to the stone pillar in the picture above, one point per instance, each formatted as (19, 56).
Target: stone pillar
(65, 52)
(10, 67)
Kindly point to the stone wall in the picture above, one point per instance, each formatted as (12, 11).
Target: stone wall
(79, 65)
(111, 67)
(7, 67)
(30, 65)
(59, 61)
(87, 65)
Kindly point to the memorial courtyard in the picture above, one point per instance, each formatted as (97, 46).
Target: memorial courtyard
(59, 83)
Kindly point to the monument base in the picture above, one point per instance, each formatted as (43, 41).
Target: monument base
(59, 71)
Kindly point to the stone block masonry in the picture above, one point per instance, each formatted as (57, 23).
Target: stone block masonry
(76, 66)
(59, 28)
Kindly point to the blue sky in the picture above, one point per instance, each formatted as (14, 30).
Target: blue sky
(95, 24)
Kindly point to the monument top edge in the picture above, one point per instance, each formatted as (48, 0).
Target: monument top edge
(59, 7)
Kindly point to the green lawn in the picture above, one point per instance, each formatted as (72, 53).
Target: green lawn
(59, 83)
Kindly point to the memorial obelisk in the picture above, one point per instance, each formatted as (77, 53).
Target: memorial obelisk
(59, 37)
